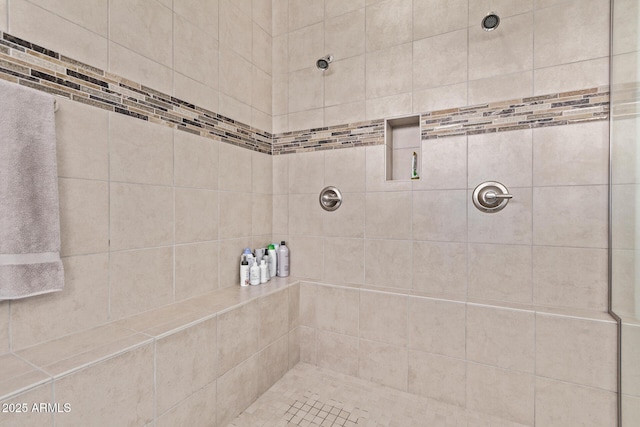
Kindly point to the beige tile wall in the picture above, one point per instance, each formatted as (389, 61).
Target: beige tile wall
(398, 57)
(149, 216)
(215, 54)
(515, 363)
(202, 374)
(548, 247)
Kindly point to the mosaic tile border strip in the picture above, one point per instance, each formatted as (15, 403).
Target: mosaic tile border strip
(526, 113)
(34, 66)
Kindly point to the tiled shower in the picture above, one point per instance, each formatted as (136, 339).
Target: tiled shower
(188, 130)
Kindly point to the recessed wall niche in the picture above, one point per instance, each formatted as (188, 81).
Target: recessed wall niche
(402, 140)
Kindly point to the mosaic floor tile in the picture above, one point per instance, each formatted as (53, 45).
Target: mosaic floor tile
(308, 396)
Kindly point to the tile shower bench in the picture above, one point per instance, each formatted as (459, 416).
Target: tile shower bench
(200, 361)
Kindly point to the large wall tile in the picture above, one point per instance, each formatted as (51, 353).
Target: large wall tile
(198, 410)
(388, 215)
(437, 377)
(512, 225)
(389, 106)
(433, 17)
(195, 161)
(306, 257)
(439, 98)
(134, 66)
(337, 310)
(262, 173)
(185, 362)
(571, 31)
(140, 280)
(560, 404)
(384, 364)
(387, 263)
(388, 71)
(573, 76)
(628, 359)
(140, 152)
(92, 15)
(344, 84)
(566, 350)
(235, 168)
(345, 169)
(571, 155)
(504, 157)
(440, 60)
(235, 215)
(237, 389)
(348, 221)
(196, 60)
(82, 141)
(274, 317)
(143, 26)
(344, 35)
(203, 13)
(570, 216)
(388, 24)
(262, 214)
(306, 89)
(84, 216)
(510, 267)
(82, 304)
(274, 363)
(238, 335)
(440, 215)
(235, 28)
(5, 321)
(39, 26)
(502, 338)
(344, 260)
(306, 173)
(305, 215)
(196, 214)
(383, 318)
(196, 269)
(305, 46)
(570, 277)
(443, 164)
(196, 92)
(504, 86)
(304, 12)
(502, 393)
(141, 216)
(507, 50)
(119, 390)
(235, 74)
(338, 353)
(440, 267)
(43, 393)
(437, 326)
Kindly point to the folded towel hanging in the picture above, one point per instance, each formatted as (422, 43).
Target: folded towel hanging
(29, 208)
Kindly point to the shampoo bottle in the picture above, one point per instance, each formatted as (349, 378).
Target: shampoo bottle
(244, 273)
(283, 260)
(254, 274)
(273, 263)
(264, 275)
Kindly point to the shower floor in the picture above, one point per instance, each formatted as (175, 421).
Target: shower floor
(309, 396)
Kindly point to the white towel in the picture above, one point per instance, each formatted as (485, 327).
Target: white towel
(29, 209)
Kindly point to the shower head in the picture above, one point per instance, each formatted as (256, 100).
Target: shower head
(323, 63)
(490, 22)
